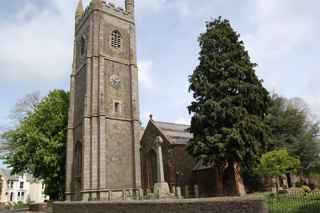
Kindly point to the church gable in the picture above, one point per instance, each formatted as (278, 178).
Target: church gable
(150, 134)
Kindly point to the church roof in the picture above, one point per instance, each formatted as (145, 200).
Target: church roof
(178, 133)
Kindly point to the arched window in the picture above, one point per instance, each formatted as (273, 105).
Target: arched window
(82, 46)
(116, 39)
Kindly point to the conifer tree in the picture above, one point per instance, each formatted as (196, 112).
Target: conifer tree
(230, 101)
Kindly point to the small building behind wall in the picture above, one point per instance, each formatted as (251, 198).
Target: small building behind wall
(177, 164)
(180, 169)
(26, 189)
(21, 188)
(4, 175)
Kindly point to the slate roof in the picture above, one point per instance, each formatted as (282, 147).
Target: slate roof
(178, 133)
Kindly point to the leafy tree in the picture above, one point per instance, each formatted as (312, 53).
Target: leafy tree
(37, 145)
(229, 100)
(293, 129)
(277, 163)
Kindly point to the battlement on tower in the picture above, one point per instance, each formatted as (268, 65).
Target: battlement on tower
(107, 7)
(113, 7)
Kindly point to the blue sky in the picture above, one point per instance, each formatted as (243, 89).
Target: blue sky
(281, 36)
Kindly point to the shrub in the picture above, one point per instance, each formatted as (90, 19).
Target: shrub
(306, 189)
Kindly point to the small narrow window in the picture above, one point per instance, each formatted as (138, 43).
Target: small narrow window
(116, 107)
(82, 46)
(78, 159)
(11, 196)
(116, 39)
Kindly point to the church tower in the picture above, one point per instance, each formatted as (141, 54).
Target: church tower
(103, 159)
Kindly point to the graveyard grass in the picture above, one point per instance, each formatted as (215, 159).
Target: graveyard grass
(294, 203)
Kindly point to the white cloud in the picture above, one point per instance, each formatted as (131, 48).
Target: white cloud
(284, 34)
(183, 120)
(314, 103)
(145, 70)
(37, 45)
(282, 26)
(184, 8)
(148, 5)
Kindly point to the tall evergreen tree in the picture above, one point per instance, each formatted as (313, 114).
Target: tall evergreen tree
(229, 100)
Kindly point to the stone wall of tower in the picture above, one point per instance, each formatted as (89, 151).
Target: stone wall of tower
(109, 137)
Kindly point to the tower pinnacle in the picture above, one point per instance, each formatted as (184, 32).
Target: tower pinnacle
(130, 6)
(79, 11)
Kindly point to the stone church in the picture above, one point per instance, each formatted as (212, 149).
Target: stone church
(109, 155)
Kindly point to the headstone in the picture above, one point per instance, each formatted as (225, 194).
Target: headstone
(196, 191)
(173, 188)
(124, 195)
(141, 196)
(178, 192)
(109, 195)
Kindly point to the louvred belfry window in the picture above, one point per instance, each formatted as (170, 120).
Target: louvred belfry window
(116, 39)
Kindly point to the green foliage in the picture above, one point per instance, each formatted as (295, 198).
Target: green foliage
(18, 205)
(277, 163)
(229, 100)
(292, 128)
(306, 189)
(37, 145)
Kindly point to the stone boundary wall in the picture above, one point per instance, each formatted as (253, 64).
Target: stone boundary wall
(212, 205)
(38, 207)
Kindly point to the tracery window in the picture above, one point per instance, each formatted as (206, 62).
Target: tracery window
(116, 39)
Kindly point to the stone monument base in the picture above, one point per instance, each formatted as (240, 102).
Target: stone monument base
(210, 205)
(162, 191)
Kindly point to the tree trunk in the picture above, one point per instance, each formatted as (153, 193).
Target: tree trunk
(233, 182)
(277, 185)
(239, 185)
